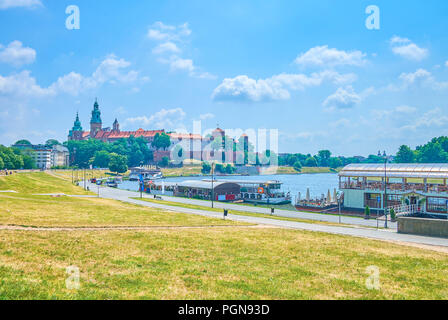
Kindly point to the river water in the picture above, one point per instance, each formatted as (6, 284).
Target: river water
(317, 183)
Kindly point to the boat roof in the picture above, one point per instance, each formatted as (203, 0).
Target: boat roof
(195, 184)
(248, 181)
(395, 170)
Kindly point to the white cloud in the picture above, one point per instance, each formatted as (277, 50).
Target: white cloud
(322, 56)
(396, 113)
(165, 118)
(23, 85)
(169, 51)
(166, 47)
(343, 98)
(431, 119)
(181, 64)
(413, 77)
(6, 4)
(16, 54)
(110, 70)
(243, 88)
(162, 32)
(446, 63)
(407, 49)
(206, 116)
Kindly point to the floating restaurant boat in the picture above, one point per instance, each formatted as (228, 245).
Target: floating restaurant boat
(268, 192)
(147, 174)
(262, 192)
(408, 189)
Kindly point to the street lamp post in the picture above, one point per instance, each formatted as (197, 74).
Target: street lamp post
(141, 180)
(213, 178)
(385, 189)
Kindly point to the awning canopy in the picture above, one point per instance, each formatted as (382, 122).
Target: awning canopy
(429, 171)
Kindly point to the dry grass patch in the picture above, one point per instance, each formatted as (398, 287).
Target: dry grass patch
(214, 264)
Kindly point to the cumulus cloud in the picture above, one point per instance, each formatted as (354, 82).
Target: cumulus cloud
(6, 4)
(242, 88)
(407, 49)
(434, 118)
(413, 77)
(17, 55)
(322, 56)
(22, 84)
(206, 116)
(162, 32)
(394, 113)
(165, 118)
(168, 49)
(343, 98)
(110, 70)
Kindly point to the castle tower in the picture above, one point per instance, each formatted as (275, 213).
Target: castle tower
(116, 126)
(95, 122)
(76, 132)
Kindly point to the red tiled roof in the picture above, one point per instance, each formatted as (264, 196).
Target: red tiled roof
(138, 133)
(185, 136)
(123, 134)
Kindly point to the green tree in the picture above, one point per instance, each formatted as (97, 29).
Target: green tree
(219, 168)
(432, 152)
(101, 159)
(324, 158)
(206, 168)
(2, 164)
(161, 141)
(229, 169)
(311, 162)
(118, 163)
(28, 162)
(164, 162)
(298, 166)
(23, 142)
(405, 155)
(335, 162)
(52, 142)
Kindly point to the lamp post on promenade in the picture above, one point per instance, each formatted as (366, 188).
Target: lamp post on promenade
(213, 178)
(385, 187)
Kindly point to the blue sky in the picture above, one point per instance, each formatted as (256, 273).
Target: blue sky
(310, 69)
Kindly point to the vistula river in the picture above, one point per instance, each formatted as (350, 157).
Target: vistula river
(318, 183)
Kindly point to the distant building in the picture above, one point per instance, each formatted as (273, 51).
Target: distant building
(184, 146)
(45, 156)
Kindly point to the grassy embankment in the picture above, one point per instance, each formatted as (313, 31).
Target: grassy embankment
(236, 212)
(24, 208)
(205, 263)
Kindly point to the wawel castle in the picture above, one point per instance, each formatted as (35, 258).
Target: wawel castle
(193, 146)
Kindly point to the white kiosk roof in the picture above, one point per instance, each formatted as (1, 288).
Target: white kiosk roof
(405, 170)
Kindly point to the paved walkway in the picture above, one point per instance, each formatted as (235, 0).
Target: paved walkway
(381, 234)
(278, 212)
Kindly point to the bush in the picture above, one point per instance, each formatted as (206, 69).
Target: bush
(393, 215)
(298, 166)
(164, 162)
(206, 168)
(367, 212)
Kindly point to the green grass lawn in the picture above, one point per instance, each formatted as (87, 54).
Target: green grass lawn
(236, 212)
(26, 209)
(39, 183)
(178, 263)
(214, 264)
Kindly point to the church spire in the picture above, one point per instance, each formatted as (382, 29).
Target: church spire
(95, 121)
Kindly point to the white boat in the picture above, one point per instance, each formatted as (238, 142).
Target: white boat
(262, 192)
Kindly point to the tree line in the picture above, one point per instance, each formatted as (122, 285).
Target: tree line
(14, 159)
